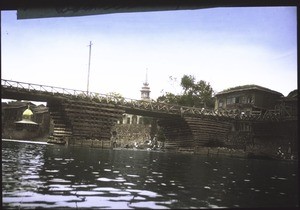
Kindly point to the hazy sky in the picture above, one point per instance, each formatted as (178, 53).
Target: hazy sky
(226, 47)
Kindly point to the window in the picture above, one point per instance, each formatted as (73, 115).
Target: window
(249, 100)
(243, 99)
(234, 100)
(221, 103)
(230, 100)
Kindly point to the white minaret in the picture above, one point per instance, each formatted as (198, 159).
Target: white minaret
(145, 91)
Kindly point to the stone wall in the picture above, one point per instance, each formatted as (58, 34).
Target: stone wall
(24, 134)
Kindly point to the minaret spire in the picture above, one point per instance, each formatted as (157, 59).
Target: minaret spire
(145, 91)
(146, 81)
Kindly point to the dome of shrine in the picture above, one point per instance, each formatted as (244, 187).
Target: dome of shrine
(27, 112)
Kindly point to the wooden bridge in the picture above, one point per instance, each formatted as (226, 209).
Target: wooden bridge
(80, 114)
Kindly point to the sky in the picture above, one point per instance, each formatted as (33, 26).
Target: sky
(225, 47)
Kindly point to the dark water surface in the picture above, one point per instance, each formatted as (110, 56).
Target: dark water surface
(53, 176)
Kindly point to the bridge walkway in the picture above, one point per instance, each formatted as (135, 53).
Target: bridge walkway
(78, 114)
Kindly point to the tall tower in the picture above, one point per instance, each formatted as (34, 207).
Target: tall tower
(145, 91)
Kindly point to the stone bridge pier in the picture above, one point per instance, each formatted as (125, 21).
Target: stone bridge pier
(81, 121)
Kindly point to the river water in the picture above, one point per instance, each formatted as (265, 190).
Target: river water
(54, 176)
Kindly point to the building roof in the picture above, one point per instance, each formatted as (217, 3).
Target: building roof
(22, 104)
(246, 88)
(28, 122)
(40, 109)
(293, 94)
(16, 104)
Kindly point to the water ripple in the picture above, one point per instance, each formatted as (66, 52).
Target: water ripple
(39, 176)
(104, 179)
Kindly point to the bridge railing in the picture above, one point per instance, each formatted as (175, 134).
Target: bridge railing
(132, 103)
(165, 107)
(43, 88)
(129, 103)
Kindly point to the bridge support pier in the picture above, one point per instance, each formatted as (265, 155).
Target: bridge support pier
(190, 132)
(80, 120)
(177, 132)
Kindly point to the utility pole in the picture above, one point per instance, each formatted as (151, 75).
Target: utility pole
(88, 79)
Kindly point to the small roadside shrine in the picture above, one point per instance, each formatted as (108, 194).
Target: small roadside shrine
(26, 122)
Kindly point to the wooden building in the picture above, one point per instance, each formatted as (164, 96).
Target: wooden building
(247, 99)
(276, 127)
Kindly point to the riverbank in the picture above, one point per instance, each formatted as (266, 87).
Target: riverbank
(208, 151)
(240, 153)
(217, 152)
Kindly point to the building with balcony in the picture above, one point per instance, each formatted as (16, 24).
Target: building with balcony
(277, 123)
(247, 99)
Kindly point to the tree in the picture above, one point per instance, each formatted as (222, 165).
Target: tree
(204, 92)
(168, 98)
(198, 94)
(188, 83)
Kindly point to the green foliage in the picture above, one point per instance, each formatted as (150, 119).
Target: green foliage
(187, 83)
(197, 94)
(168, 98)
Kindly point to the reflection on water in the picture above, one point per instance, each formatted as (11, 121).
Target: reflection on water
(52, 176)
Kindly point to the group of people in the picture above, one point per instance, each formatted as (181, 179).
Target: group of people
(149, 144)
(288, 154)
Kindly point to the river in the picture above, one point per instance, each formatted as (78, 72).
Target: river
(53, 176)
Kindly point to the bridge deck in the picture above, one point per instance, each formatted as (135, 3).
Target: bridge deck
(36, 92)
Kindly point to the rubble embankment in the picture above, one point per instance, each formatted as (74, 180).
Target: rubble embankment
(137, 137)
